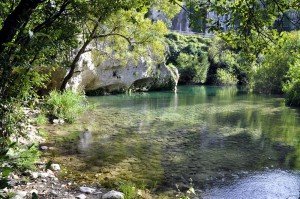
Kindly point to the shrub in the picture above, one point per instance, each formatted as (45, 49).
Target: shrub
(41, 119)
(24, 157)
(222, 56)
(293, 94)
(224, 77)
(189, 54)
(192, 68)
(67, 105)
(129, 190)
(272, 73)
(292, 86)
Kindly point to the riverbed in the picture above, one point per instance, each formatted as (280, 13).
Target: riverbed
(222, 141)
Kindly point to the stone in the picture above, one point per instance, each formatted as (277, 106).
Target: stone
(55, 167)
(20, 195)
(58, 121)
(15, 177)
(113, 195)
(34, 175)
(44, 148)
(87, 190)
(53, 192)
(34, 191)
(43, 174)
(81, 196)
(50, 173)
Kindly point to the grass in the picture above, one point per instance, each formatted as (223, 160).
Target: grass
(67, 105)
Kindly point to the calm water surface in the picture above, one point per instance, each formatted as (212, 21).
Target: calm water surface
(227, 143)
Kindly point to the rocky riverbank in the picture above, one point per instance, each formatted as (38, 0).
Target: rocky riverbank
(43, 179)
(44, 183)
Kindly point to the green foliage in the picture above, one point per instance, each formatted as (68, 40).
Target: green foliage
(41, 119)
(273, 70)
(192, 68)
(24, 157)
(13, 155)
(248, 21)
(129, 190)
(189, 54)
(67, 105)
(292, 86)
(226, 63)
(293, 94)
(223, 77)
(133, 37)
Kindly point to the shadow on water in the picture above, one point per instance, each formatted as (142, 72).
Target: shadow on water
(211, 135)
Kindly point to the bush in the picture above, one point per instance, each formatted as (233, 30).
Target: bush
(129, 190)
(222, 56)
(189, 54)
(292, 86)
(293, 94)
(41, 119)
(24, 158)
(224, 77)
(67, 105)
(192, 68)
(272, 72)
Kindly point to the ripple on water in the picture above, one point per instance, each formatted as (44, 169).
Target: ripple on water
(276, 184)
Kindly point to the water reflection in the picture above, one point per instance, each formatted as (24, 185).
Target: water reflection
(208, 134)
(85, 140)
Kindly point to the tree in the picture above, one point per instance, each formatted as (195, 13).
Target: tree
(250, 22)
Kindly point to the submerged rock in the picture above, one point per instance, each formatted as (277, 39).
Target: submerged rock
(113, 195)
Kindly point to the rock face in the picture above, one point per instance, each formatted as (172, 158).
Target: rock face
(110, 76)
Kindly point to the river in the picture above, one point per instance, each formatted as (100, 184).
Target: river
(222, 141)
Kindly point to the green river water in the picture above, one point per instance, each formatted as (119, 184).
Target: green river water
(210, 136)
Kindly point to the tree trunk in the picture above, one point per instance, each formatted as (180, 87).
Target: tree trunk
(73, 65)
(77, 57)
(16, 20)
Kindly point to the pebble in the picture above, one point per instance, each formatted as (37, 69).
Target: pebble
(15, 177)
(87, 190)
(58, 121)
(113, 195)
(43, 174)
(50, 173)
(81, 196)
(55, 167)
(44, 148)
(53, 192)
(20, 194)
(34, 191)
(34, 175)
